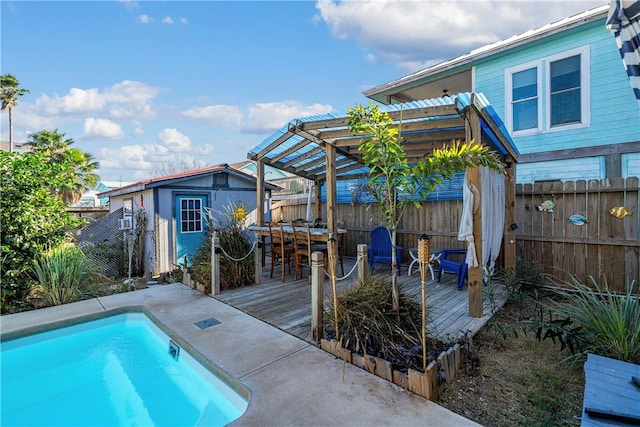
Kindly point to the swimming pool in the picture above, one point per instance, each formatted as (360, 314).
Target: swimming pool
(115, 371)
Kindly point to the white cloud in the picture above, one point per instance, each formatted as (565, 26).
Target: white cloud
(126, 157)
(128, 91)
(257, 118)
(76, 101)
(124, 99)
(411, 33)
(270, 116)
(101, 128)
(183, 20)
(227, 116)
(137, 128)
(167, 20)
(172, 140)
(145, 19)
(129, 4)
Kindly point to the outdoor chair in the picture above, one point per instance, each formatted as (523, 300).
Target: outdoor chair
(281, 251)
(453, 261)
(302, 248)
(380, 248)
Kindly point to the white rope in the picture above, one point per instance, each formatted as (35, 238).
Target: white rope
(349, 273)
(239, 259)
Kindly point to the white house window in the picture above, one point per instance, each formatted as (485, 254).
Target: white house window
(564, 80)
(191, 216)
(525, 99)
(548, 94)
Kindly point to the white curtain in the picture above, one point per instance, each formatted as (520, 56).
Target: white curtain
(465, 233)
(492, 199)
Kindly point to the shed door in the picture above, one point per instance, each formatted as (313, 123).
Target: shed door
(190, 226)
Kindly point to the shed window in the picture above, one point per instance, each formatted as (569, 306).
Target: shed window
(191, 215)
(221, 180)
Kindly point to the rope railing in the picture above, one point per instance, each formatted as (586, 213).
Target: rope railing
(354, 268)
(253, 246)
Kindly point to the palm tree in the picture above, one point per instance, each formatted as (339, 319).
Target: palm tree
(78, 166)
(10, 91)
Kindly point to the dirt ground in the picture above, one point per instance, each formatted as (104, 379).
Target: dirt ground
(516, 381)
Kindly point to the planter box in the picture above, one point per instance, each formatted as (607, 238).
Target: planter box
(427, 384)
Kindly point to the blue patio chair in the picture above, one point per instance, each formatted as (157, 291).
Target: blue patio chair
(380, 248)
(453, 261)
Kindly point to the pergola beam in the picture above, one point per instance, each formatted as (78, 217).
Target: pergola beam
(409, 114)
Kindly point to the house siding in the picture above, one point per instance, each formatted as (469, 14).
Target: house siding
(614, 115)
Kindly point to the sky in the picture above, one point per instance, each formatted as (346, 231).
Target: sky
(142, 85)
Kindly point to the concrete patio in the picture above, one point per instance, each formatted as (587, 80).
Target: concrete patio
(290, 382)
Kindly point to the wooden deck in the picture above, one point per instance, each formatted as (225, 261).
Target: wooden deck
(287, 305)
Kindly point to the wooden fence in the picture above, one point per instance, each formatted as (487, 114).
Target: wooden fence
(606, 248)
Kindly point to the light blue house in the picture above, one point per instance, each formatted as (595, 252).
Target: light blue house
(562, 91)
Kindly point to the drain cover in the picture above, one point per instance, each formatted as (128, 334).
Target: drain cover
(206, 323)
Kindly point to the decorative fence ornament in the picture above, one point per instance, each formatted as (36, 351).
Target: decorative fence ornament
(620, 212)
(577, 219)
(546, 206)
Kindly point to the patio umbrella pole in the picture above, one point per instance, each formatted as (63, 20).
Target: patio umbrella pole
(331, 252)
(423, 256)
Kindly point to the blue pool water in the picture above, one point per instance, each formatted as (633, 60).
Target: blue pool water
(115, 371)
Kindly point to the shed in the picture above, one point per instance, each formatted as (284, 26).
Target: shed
(321, 149)
(177, 206)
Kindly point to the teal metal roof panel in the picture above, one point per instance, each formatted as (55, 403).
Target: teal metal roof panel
(297, 147)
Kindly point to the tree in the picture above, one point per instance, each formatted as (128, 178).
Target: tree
(184, 164)
(10, 91)
(31, 219)
(78, 172)
(393, 182)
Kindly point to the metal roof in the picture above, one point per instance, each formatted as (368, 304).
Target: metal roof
(466, 60)
(299, 146)
(179, 177)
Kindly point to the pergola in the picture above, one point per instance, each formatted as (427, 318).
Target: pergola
(321, 149)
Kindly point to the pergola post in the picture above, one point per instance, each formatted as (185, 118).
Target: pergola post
(317, 186)
(510, 226)
(331, 187)
(474, 275)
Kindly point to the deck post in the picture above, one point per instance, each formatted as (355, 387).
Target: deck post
(363, 262)
(215, 264)
(317, 295)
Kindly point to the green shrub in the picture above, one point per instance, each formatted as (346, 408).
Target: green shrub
(31, 219)
(237, 264)
(596, 320)
(64, 274)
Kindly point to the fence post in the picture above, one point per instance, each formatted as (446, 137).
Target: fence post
(317, 294)
(363, 262)
(258, 260)
(215, 264)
